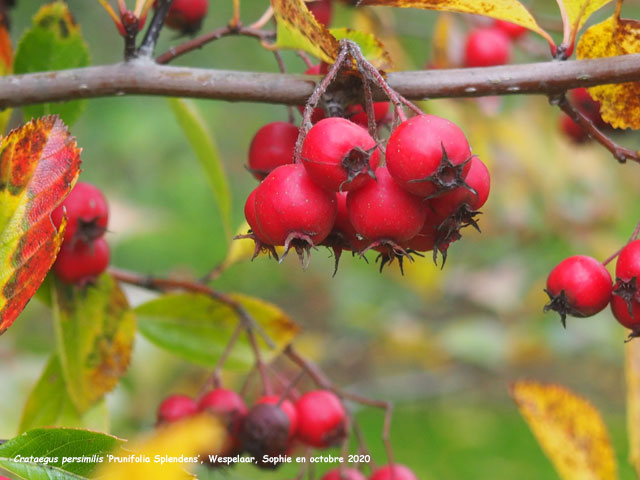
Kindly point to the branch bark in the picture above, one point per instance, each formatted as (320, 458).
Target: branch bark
(144, 77)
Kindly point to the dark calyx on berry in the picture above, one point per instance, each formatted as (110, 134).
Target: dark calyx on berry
(447, 176)
(357, 161)
(628, 291)
(560, 303)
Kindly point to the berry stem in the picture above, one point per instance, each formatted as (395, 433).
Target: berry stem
(260, 365)
(620, 153)
(215, 380)
(166, 284)
(634, 236)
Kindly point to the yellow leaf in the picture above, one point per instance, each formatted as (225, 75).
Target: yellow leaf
(194, 438)
(372, 48)
(510, 10)
(632, 370)
(569, 430)
(579, 11)
(297, 28)
(620, 103)
(441, 43)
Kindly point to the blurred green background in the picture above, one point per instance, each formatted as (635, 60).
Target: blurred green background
(444, 345)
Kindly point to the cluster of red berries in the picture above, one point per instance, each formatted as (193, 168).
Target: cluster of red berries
(272, 427)
(491, 45)
(581, 286)
(340, 197)
(84, 253)
(589, 107)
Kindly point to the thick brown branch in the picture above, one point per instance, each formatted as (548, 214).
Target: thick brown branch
(143, 77)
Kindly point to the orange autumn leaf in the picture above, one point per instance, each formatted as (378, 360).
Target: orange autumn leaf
(297, 28)
(620, 102)
(510, 10)
(39, 164)
(569, 430)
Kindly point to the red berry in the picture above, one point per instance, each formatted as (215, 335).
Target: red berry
(630, 319)
(339, 155)
(477, 179)
(291, 208)
(321, 9)
(176, 407)
(425, 239)
(512, 30)
(287, 407)
(382, 211)
(83, 262)
(579, 286)
(395, 472)
(628, 263)
(428, 155)
(627, 275)
(228, 405)
(583, 101)
(321, 419)
(343, 226)
(87, 214)
(187, 15)
(271, 147)
(572, 130)
(486, 47)
(346, 474)
(358, 115)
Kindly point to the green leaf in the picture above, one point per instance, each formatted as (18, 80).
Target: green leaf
(197, 327)
(372, 49)
(95, 329)
(206, 150)
(53, 43)
(49, 405)
(56, 444)
(298, 29)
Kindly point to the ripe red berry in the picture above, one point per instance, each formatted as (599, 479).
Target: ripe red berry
(358, 115)
(266, 432)
(321, 9)
(272, 146)
(486, 47)
(176, 407)
(572, 130)
(230, 407)
(428, 155)
(287, 407)
(346, 474)
(339, 155)
(512, 30)
(394, 472)
(628, 315)
(381, 211)
(579, 286)
(261, 243)
(470, 197)
(293, 211)
(87, 214)
(321, 419)
(187, 15)
(83, 262)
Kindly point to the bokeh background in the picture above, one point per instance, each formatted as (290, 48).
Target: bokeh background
(443, 344)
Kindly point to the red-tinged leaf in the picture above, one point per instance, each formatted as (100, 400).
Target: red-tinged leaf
(6, 65)
(39, 164)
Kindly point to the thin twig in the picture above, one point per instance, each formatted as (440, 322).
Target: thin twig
(634, 236)
(620, 153)
(260, 365)
(215, 380)
(168, 284)
(202, 40)
(322, 381)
